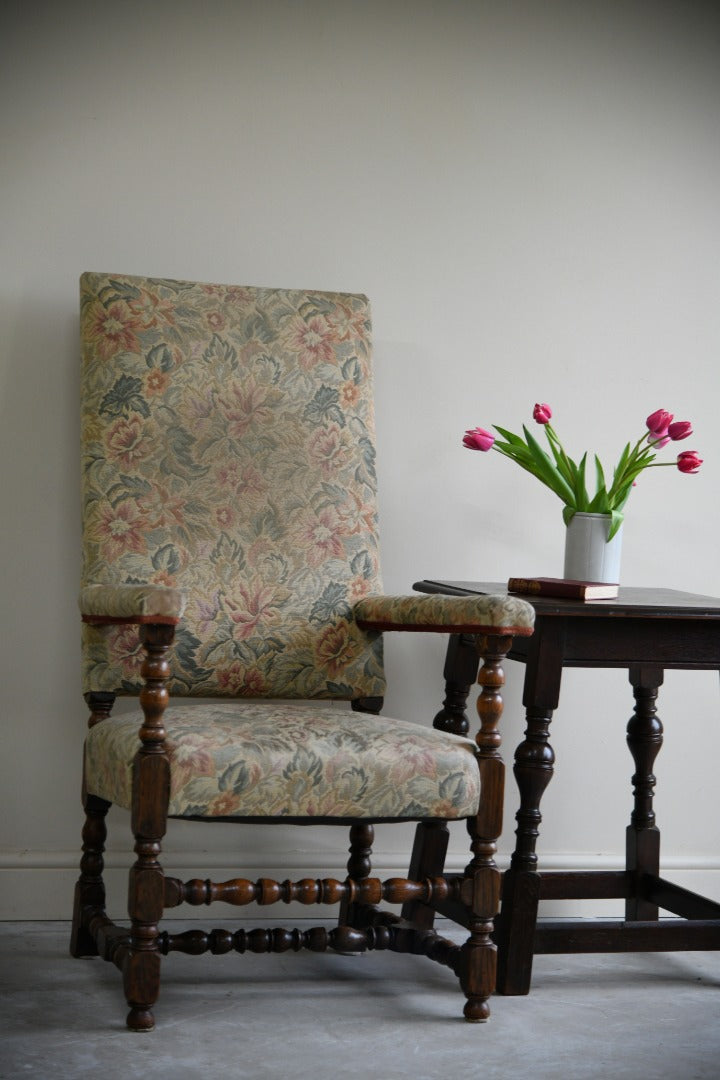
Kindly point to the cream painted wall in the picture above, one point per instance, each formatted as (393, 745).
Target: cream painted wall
(529, 195)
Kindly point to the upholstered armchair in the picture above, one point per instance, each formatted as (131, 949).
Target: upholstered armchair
(231, 554)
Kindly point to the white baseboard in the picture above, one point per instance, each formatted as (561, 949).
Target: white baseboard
(38, 885)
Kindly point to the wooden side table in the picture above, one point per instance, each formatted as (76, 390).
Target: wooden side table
(645, 631)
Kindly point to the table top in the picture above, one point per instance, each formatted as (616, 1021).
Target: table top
(638, 602)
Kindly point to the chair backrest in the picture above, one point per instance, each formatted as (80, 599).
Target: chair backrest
(228, 450)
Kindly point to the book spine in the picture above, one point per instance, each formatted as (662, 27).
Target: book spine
(531, 586)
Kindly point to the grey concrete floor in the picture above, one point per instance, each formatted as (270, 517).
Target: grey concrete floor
(639, 1017)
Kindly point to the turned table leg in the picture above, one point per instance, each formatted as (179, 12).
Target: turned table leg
(460, 673)
(642, 839)
(431, 839)
(533, 770)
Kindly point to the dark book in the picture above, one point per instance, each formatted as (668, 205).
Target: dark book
(563, 588)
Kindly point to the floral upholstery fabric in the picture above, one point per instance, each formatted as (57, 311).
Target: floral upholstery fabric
(228, 451)
(131, 601)
(271, 759)
(460, 614)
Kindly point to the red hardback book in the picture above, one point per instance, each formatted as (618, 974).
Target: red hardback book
(563, 588)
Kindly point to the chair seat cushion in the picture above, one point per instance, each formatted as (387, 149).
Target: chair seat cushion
(291, 760)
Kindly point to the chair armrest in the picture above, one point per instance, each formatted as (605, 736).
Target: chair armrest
(102, 604)
(489, 614)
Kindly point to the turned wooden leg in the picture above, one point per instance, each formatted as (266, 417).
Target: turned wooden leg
(482, 879)
(642, 838)
(362, 836)
(431, 838)
(460, 673)
(151, 792)
(90, 888)
(533, 770)
(478, 956)
(141, 966)
(427, 861)
(359, 866)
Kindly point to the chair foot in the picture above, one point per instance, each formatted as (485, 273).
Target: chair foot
(141, 983)
(140, 1020)
(477, 1011)
(82, 944)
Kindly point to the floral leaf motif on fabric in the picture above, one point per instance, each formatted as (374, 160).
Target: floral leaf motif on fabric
(332, 602)
(126, 395)
(324, 407)
(159, 356)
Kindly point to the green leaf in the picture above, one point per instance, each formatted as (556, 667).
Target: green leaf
(546, 471)
(581, 495)
(514, 440)
(624, 457)
(617, 520)
(622, 496)
(515, 453)
(566, 467)
(600, 504)
(518, 453)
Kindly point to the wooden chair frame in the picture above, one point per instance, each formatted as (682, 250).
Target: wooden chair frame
(469, 899)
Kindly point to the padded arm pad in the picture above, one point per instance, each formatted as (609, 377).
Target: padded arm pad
(446, 614)
(131, 603)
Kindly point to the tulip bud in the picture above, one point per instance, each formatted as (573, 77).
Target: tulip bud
(542, 414)
(478, 439)
(689, 461)
(680, 430)
(658, 422)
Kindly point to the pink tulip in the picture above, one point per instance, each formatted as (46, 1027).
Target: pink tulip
(689, 461)
(542, 414)
(478, 439)
(656, 443)
(658, 423)
(680, 430)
